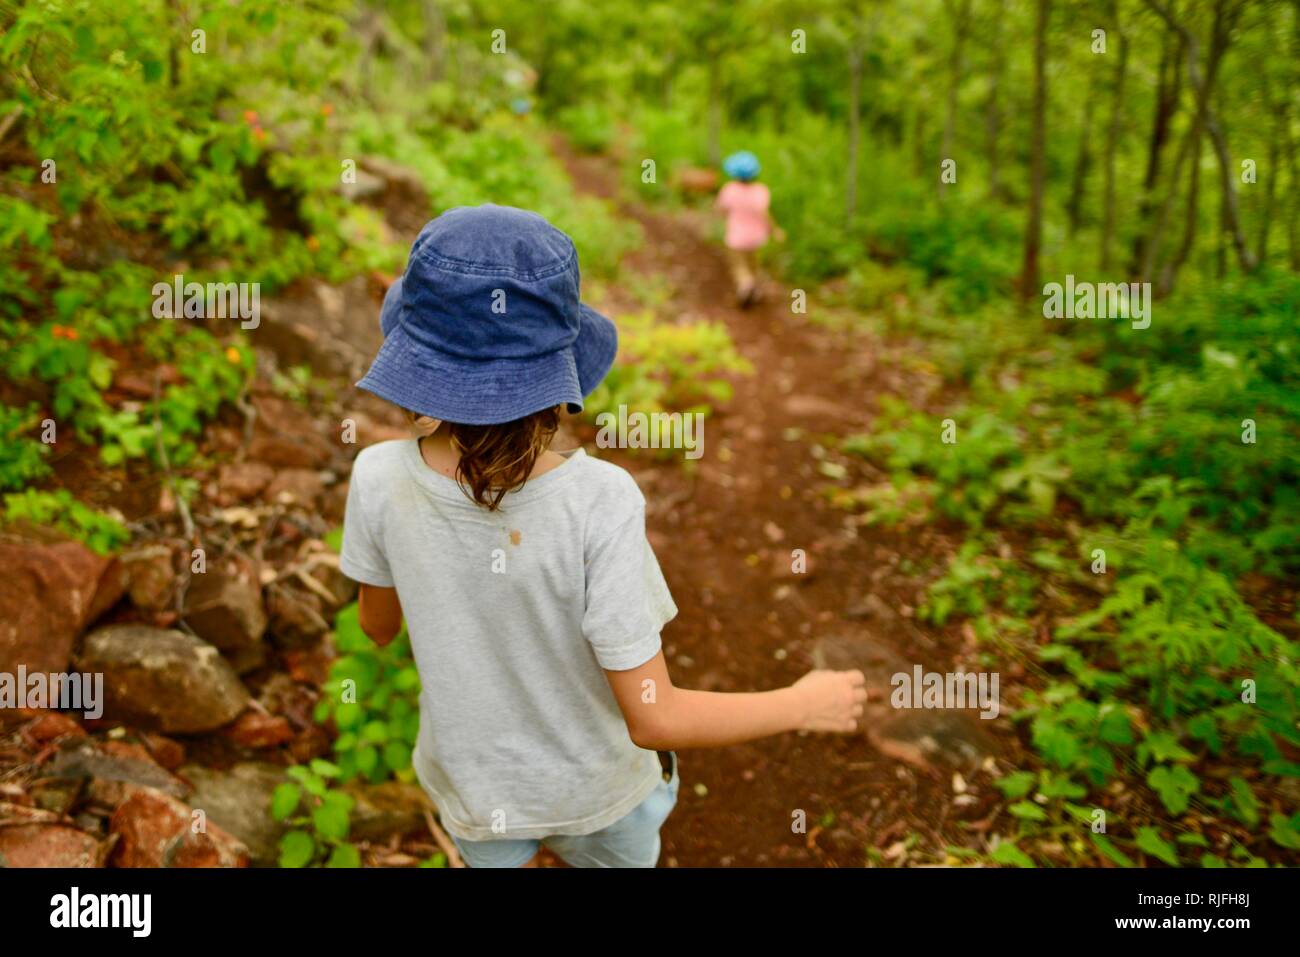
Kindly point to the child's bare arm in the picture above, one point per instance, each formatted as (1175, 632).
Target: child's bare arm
(379, 613)
(661, 717)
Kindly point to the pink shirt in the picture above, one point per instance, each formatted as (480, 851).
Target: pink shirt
(748, 225)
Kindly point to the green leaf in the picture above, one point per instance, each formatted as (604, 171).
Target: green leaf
(1007, 853)
(1162, 746)
(324, 768)
(1245, 805)
(367, 758)
(1016, 784)
(1060, 786)
(1028, 810)
(1115, 727)
(330, 818)
(344, 855)
(1175, 785)
(1108, 848)
(1150, 842)
(1284, 831)
(334, 539)
(397, 755)
(284, 801)
(296, 849)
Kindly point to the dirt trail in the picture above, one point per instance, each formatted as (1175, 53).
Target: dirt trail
(746, 622)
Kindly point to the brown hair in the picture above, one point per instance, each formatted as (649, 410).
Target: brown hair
(496, 459)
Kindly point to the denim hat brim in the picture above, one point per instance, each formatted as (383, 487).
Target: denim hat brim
(487, 391)
(388, 312)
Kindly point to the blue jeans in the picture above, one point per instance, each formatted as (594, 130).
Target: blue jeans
(631, 841)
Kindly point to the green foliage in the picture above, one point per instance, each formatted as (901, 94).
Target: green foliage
(22, 455)
(223, 165)
(975, 582)
(59, 510)
(319, 818)
(372, 697)
(1139, 434)
(669, 367)
(588, 125)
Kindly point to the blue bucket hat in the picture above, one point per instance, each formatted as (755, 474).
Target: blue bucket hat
(743, 166)
(486, 325)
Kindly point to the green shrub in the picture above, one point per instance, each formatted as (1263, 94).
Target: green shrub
(319, 818)
(372, 696)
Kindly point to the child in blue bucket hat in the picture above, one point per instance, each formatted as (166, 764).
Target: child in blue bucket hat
(533, 600)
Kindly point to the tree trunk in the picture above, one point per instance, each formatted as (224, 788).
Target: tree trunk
(1169, 274)
(715, 112)
(1201, 92)
(1224, 18)
(1293, 220)
(1082, 163)
(1281, 117)
(1168, 91)
(993, 108)
(959, 18)
(855, 124)
(1112, 146)
(435, 39)
(1037, 165)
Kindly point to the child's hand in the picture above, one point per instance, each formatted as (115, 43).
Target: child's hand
(778, 234)
(830, 700)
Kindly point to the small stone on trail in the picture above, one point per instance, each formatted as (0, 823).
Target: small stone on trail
(163, 680)
(47, 845)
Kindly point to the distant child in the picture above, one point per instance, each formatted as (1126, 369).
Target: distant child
(749, 223)
(531, 594)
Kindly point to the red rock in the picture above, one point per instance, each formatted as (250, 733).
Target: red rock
(296, 616)
(242, 481)
(51, 593)
(300, 452)
(126, 749)
(47, 845)
(286, 436)
(152, 578)
(295, 487)
(168, 753)
(224, 607)
(163, 680)
(309, 666)
(52, 725)
(156, 830)
(253, 729)
(110, 766)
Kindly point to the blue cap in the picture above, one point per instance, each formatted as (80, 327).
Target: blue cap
(743, 166)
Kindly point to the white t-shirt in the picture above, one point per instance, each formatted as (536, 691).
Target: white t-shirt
(512, 615)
